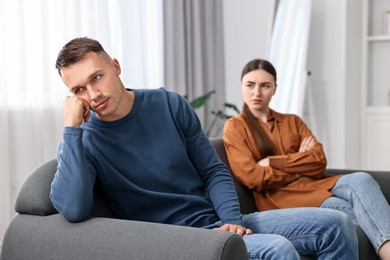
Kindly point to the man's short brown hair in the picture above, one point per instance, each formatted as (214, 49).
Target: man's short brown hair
(75, 50)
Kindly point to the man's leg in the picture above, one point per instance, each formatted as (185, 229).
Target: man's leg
(327, 233)
(272, 247)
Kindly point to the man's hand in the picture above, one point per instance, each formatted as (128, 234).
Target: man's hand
(76, 110)
(238, 229)
(307, 144)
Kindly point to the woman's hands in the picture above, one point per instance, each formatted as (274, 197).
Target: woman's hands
(307, 144)
(264, 162)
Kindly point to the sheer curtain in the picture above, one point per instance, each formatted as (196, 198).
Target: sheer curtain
(32, 93)
(288, 52)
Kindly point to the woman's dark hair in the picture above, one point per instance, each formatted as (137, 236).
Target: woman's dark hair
(75, 50)
(263, 143)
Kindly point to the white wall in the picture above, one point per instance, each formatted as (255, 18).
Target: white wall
(326, 61)
(353, 131)
(334, 59)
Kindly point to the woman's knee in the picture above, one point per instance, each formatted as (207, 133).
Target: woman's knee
(358, 178)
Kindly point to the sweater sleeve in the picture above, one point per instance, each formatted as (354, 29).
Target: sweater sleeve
(241, 154)
(214, 174)
(72, 187)
(310, 163)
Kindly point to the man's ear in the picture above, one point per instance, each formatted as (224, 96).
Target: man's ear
(275, 89)
(117, 66)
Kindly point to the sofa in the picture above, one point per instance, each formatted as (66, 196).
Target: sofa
(39, 232)
(247, 203)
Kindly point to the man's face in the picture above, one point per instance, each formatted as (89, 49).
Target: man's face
(95, 79)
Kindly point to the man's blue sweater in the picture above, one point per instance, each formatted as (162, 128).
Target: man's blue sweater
(155, 164)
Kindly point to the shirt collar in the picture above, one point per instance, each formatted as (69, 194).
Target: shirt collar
(273, 115)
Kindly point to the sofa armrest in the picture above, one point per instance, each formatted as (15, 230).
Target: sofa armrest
(52, 237)
(33, 196)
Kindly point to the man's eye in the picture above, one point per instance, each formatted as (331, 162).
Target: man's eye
(78, 90)
(96, 77)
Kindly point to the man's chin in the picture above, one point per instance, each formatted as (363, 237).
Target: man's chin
(102, 115)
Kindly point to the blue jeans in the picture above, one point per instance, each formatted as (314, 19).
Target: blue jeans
(359, 195)
(288, 233)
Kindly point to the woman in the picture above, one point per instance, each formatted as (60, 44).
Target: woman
(276, 156)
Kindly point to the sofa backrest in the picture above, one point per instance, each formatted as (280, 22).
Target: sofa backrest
(33, 197)
(245, 196)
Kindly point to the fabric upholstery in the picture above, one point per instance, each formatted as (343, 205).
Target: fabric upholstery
(52, 237)
(39, 232)
(33, 197)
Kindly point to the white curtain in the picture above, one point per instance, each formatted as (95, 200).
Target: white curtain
(32, 32)
(288, 52)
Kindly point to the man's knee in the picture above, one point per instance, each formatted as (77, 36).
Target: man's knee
(338, 218)
(270, 246)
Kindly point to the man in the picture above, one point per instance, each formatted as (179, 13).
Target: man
(154, 163)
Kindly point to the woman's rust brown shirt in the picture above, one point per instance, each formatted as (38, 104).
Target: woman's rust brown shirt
(277, 186)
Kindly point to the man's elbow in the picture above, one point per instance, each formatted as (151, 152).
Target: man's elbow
(74, 212)
(75, 215)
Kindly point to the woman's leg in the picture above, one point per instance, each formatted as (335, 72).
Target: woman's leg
(327, 233)
(363, 200)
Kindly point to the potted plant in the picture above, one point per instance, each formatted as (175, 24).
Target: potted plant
(218, 115)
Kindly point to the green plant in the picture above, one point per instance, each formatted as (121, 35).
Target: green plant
(220, 114)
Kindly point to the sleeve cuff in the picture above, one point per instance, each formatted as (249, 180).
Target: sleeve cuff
(277, 162)
(72, 130)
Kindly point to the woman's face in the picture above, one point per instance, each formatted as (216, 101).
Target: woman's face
(257, 88)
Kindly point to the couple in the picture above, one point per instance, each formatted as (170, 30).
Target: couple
(144, 147)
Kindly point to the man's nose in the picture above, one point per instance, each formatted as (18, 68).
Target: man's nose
(93, 93)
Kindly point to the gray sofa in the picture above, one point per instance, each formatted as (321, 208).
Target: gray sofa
(247, 203)
(39, 232)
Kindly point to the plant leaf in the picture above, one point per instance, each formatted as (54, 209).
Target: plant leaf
(231, 106)
(200, 101)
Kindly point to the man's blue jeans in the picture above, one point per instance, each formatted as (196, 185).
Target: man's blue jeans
(359, 195)
(285, 233)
